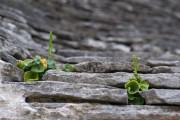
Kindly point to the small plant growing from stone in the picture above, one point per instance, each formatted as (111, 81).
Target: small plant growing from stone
(34, 68)
(135, 85)
(69, 68)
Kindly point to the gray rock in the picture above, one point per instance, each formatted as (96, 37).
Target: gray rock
(163, 69)
(175, 69)
(161, 80)
(124, 40)
(162, 97)
(166, 69)
(119, 47)
(8, 72)
(94, 59)
(169, 59)
(13, 105)
(90, 20)
(111, 79)
(103, 67)
(155, 63)
(12, 102)
(75, 92)
(107, 112)
(90, 25)
(8, 58)
(94, 44)
(106, 56)
(84, 53)
(146, 47)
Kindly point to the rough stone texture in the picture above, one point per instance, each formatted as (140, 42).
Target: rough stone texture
(161, 80)
(108, 112)
(104, 67)
(115, 57)
(164, 69)
(75, 92)
(155, 63)
(162, 96)
(8, 72)
(12, 102)
(48, 92)
(96, 36)
(98, 25)
(139, 26)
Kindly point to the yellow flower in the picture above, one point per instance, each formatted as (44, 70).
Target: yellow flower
(44, 62)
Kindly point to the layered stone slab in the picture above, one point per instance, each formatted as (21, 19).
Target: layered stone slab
(162, 97)
(105, 67)
(85, 24)
(8, 72)
(72, 111)
(58, 91)
(151, 66)
(152, 60)
(161, 80)
(155, 63)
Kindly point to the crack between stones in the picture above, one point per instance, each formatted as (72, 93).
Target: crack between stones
(65, 99)
(50, 99)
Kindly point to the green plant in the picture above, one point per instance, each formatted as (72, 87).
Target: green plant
(69, 68)
(34, 68)
(51, 62)
(135, 85)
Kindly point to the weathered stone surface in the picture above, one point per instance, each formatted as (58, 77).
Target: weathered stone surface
(166, 69)
(145, 21)
(8, 58)
(13, 105)
(124, 40)
(92, 44)
(84, 53)
(104, 34)
(84, 111)
(94, 59)
(12, 102)
(152, 59)
(108, 112)
(163, 69)
(15, 39)
(162, 97)
(103, 67)
(154, 63)
(161, 80)
(75, 92)
(175, 69)
(8, 72)
(30, 23)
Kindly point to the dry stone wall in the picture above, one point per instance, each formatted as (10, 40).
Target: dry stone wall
(99, 38)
